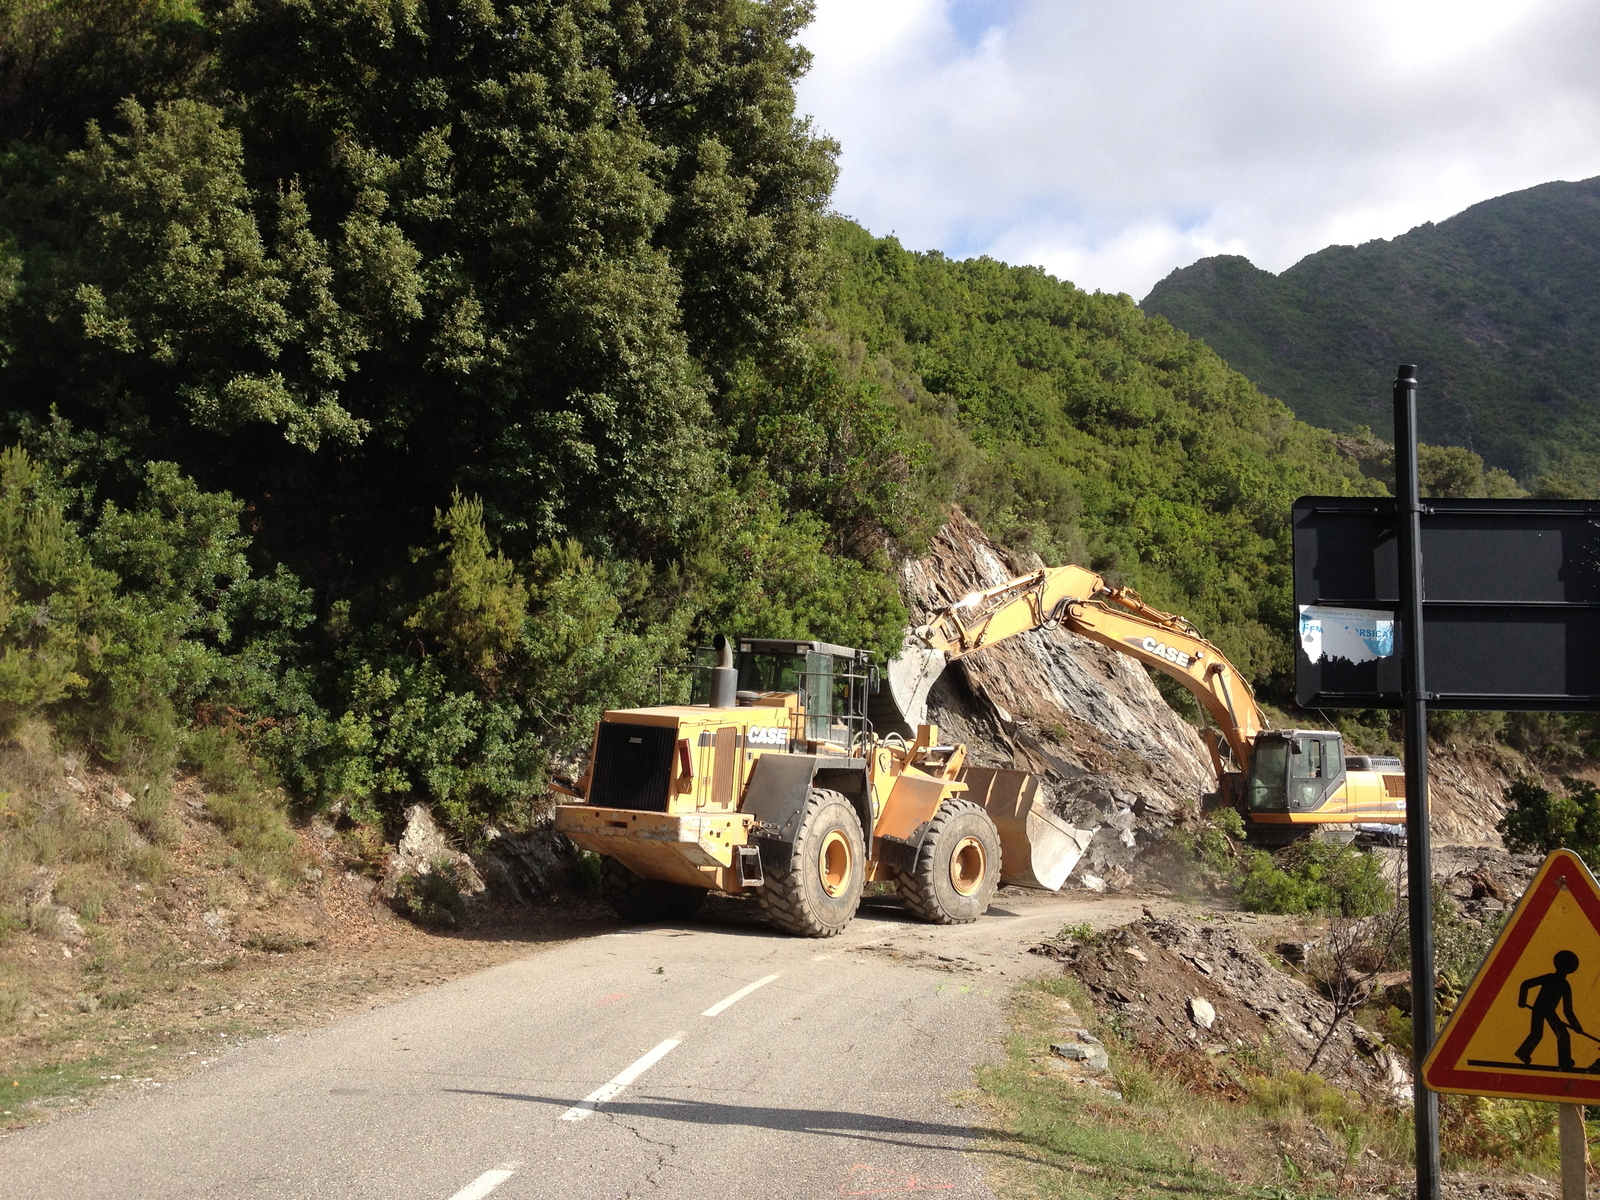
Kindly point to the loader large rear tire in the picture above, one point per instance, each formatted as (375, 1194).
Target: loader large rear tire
(819, 894)
(634, 898)
(958, 866)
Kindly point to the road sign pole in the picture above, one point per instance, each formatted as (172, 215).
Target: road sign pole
(1419, 868)
(1574, 1153)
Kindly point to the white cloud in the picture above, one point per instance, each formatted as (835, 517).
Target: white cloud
(1113, 140)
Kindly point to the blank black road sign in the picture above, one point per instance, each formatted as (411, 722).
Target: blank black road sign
(1510, 611)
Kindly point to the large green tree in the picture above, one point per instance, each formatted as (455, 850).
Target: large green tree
(379, 252)
(536, 278)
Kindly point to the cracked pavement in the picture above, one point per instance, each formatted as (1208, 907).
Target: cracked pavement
(840, 1077)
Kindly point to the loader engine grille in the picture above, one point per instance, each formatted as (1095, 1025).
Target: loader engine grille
(633, 766)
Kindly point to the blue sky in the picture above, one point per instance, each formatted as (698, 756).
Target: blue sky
(1112, 141)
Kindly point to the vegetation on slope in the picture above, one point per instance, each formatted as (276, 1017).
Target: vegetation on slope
(1497, 305)
(1071, 424)
(392, 389)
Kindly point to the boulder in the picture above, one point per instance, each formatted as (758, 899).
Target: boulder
(1113, 758)
(422, 848)
(528, 866)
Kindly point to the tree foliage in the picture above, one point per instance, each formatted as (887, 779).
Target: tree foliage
(397, 386)
(1538, 820)
(1071, 424)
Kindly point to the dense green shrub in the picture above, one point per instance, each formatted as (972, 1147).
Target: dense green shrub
(1314, 877)
(1538, 821)
(432, 896)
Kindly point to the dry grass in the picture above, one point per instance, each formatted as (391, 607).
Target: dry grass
(1243, 1128)
(141, 921)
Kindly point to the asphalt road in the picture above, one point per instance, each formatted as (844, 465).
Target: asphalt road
(711, 1060)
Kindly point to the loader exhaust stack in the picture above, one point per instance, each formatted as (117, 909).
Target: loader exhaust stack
(724, 678)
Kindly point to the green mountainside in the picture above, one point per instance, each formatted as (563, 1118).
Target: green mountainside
(1499, 306)
(1071, 424)
(391, 388)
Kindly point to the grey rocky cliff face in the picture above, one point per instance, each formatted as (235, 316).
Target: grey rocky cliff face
(1113, 757)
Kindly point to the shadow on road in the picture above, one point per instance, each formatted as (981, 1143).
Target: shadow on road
(1061, 1148)
(869, 1127)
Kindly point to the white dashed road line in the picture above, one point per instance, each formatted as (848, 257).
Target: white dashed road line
(723, 1005)
(486, 1183)
(608, 1091)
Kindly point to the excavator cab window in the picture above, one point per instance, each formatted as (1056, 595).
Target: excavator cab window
(1315, 770)
(1295, 773)
(1269, 773)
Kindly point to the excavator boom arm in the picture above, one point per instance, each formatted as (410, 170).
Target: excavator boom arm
(1176, 650)
(1016, 606)
(1115, 617)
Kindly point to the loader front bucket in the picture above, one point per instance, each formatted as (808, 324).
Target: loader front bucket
(1037, 848)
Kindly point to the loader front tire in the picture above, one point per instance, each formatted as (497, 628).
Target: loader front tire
(958, 866)
(819, 894)
(635, 898)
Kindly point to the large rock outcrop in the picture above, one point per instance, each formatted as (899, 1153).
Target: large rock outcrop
(1113, 756)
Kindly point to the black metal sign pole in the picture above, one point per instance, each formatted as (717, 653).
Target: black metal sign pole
(1419, 868)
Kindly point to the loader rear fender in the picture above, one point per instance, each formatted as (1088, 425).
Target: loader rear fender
(776, 796)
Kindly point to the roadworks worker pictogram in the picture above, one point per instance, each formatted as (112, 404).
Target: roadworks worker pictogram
(1554, 991)
(1512, 1033)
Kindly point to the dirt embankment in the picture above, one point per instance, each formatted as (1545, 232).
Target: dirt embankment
(1468, 792)
(136, 960)
(1200, 997)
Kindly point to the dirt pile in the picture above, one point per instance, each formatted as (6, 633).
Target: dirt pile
(1484, 882)
(1114, 758)
(1203, 1000)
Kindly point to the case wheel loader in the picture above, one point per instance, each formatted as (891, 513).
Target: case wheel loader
(776, 785)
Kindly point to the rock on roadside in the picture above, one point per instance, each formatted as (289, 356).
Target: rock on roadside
(423, 847)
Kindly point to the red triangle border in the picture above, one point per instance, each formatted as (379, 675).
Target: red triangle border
(1491, 978)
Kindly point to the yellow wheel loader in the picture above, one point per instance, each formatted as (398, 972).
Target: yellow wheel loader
(1285, 783)
(775, 784)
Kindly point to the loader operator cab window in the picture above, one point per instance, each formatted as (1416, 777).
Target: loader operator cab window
(826, 678)
(760, 671)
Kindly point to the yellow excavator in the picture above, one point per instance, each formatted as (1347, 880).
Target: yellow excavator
(1283, 782)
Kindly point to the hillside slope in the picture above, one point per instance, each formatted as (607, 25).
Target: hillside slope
(1499, 305)
(1069, 424)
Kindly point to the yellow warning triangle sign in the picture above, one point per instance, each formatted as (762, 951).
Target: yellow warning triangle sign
(1528, 1026)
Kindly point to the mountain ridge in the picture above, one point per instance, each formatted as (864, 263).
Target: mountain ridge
(1499, 305)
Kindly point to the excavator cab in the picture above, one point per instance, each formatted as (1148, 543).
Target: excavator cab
(1294, 770)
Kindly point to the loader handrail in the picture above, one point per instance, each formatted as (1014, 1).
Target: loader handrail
(1114, 617)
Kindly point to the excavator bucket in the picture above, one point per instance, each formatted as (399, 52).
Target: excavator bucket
(1037, 848)
(902, 703)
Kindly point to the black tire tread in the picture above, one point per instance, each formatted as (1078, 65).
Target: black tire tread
(917, 887)
(784, 896)
(634, 898)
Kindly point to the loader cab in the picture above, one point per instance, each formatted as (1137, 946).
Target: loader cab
(1294, 770)
(832, 683)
